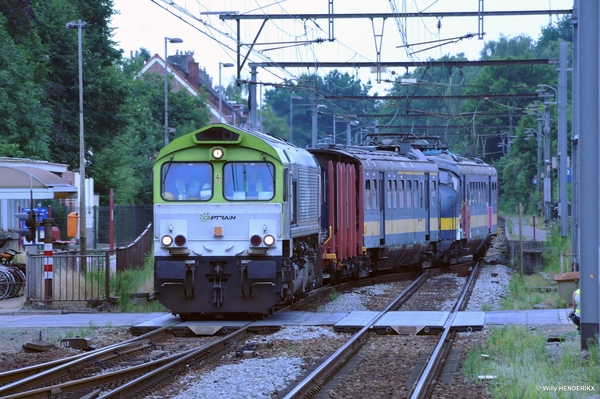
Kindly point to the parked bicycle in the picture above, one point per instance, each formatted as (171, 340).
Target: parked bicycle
(12, 275)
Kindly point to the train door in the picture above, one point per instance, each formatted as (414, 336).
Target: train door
(490, 201)
(465, 214)
(426, 200)
(381, 195)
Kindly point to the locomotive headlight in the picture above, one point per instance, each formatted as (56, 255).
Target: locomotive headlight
(269, 240)
(166, 241)
(255, 240)
(217, 153)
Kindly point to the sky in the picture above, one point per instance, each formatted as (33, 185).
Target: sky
(146, 23)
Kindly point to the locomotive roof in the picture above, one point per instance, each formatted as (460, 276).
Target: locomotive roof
(223, 134)
(460, 165)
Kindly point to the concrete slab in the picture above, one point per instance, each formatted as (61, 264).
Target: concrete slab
(40, 320)
(354, 321)
(298, 318)
(411, 322)
(469, 321)
(527, 317)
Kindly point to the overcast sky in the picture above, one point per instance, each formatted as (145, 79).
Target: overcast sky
(144, 23)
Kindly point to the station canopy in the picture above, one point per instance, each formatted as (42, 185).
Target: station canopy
(21, 182)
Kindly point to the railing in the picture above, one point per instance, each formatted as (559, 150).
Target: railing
(74, 277)
(132, 256)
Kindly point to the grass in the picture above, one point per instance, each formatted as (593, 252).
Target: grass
(519, 358)
(523, 368)
(131, 281)
(333, 295)
(522, 289)
(522, 296)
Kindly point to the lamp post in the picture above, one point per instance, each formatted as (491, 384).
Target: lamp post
(79, 25)
(539, 138)
(315, 111)
(168, 40)
(226, 65)
(349, 131)
(292, 98)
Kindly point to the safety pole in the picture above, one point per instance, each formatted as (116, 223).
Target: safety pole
(48, 260)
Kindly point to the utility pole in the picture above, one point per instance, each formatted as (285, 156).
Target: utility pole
(253, 102)
(562, 140)
(575, 143)
(313, 107)
(589, 128)
(79, 25)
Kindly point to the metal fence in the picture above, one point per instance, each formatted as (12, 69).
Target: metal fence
(75, 277)
(129, 222)
(134, 254)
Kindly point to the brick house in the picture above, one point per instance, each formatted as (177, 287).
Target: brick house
(187, 75)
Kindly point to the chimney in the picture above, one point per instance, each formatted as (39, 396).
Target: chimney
(194, 72)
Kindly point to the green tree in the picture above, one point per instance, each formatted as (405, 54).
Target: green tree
(103, 84)
(25, 120)
(126, 164)
(335, 91)
(517, 167)
(434, 114)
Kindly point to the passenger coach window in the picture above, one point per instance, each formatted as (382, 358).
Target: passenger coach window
(388, 194)
(408, 194)
(368, 193)
(401, 194)
(374, 203)
(186, 181)
(249, 181)
(416, 189)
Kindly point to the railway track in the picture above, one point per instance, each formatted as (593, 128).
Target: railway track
(317, 381)
(126, 367)
(140, 375)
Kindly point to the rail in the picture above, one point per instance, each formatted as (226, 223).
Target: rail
(308, 387)
(422, 386)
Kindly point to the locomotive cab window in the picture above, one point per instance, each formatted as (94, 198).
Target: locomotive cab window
(186, 181)
(249, 181)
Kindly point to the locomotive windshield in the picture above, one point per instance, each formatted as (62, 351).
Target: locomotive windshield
(449, 179)
(249, 181)
(189, 181)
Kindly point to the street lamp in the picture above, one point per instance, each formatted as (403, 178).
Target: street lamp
(539, 138)
(349, 131)
(226, 65)
(82, 222)
(315, 111)
(292, 117)
(334, 122)
(169, 40)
